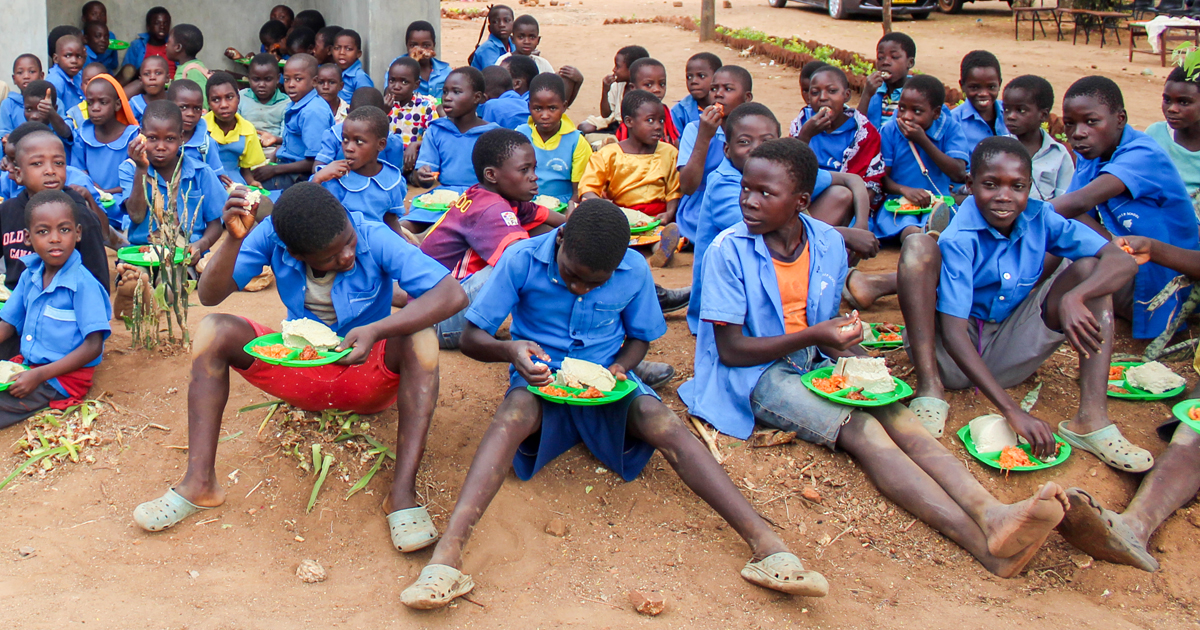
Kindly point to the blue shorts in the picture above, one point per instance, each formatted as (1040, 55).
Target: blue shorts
(781, 401)
(602, 428)
(886, 224)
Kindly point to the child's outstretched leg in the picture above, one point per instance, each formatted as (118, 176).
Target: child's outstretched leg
(915, 475)
(217, 346)
(441, 581)
(772, 565)
(415, 359)
(1091, 429)
(919, 271)
(1010, 530)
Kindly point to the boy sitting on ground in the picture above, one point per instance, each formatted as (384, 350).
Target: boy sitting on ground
(27, 68)
(329, 87)
(197, 143)
(612, 93)
(772, 286)
(69, 60)
(699, 76)
(58, 310)
(1028, 100)
(1001, 311)
(421, 43)
(331, 140)
(183, 44)
(337, 268)
(153, 76)
(489, 217)
(499, 40)
(980, 115)
(410, 112)
(504, 106)
(651, 75)
(545, 283)
(347, 53)
(895, 55)
(42, 106)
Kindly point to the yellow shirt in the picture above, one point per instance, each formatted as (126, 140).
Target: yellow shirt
(252, 153)
(583, 150)
(630, 180)
(793, 291)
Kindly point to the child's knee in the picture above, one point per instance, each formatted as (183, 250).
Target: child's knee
(518, 416)
(864, 431)
(213, 331)
(919, 252)
(424, 348)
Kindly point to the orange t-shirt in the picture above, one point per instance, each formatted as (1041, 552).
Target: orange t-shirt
(793, 291)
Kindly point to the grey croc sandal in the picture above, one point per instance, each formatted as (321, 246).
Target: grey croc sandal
(783, 572)
(412, 529)
(1111, 447)
(438, 585)
(932, 413)
(165, 511)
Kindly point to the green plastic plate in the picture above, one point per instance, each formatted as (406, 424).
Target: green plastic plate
(645, 228)
(883, 344)
(993, 459)
(4, 386)
(417, 202)
(893, 205)
(622, 389)
(108, 204)
(327, 356)
(245, 61)
(1136, 393)
(876, 400)
(132, 256)
(116, 44)
(1181, 411)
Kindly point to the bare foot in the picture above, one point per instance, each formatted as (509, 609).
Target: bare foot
(1103, 534)
(390, 505)
(862, 289)
(203, 494)
(1012, 566)
(1012, 528)
(127, 283)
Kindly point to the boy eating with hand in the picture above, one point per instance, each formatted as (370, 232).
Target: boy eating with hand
(699, 75)
(895, 55)
(361, 181)
(546, 283)
(336, 268)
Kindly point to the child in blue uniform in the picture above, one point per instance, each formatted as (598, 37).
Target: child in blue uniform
(361, 181)
(421, 43)
(102, 142)
(152, 163)
(499, 41)
(69, 60)
(981, 115)
(580, 292)
(197, 144)
(40, 104)
(700, 69)
(771, 292)
(895, 55)
(506, 108)
(58, 310)
(331, 140)
(96, 38)
(445, 156)
(347, 53)
(562, 153)
(237, 143)
(1124, 180)
(922, 125)
(307, 118)
(26, 69)
(154, 78)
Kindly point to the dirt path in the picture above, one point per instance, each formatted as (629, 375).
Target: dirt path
(93, 566)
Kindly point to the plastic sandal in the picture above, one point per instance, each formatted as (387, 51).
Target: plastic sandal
(437, 586)
(412, 529)
(1111, 447)
(783, 572)
(666, 247)
(164, 512)
(931, 412)
(939, 219)
(1102, 534)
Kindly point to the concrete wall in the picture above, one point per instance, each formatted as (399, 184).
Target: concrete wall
(224, 23)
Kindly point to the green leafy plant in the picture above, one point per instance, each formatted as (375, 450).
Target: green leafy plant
(1187, 56)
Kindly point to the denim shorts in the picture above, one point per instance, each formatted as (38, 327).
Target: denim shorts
(781, 401)
(450, 331)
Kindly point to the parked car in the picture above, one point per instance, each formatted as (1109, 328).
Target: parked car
(956, 6)
(841, 9)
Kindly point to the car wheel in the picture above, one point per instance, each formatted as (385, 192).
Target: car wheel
(778, 4)
(837, 9)
(950, 6)
(921, 16)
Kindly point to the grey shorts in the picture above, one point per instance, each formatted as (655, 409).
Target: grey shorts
(781, 401)
(1013, 349)
(14, 410)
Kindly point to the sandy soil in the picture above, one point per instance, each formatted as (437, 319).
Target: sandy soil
(234, 567)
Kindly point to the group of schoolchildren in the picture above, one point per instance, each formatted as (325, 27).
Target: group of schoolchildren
(776, 223)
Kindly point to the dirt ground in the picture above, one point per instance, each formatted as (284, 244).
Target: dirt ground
(234, 567)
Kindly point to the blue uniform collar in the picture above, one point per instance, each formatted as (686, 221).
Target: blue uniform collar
(15, 96)
(353, 68)
(304, 101)
(66, 277)
(511, 94)
(938, 128)
(728, 170)
(87, 132)
(387, 178)
(199, 135)
(76, 80)
(970, 218)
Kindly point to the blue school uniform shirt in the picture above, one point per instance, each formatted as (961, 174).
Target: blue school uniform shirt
(99, 160)
(489, 51)
(948, 136)
(199, 191)
(1155, 204)
(510, 110)
(689, 205)
(592, 327)
(136, 51)
(354, 77)
(202, 148)
(138, 105)
(304, 122)
(447, 151)
(974, 127)
(9, 188)
(875, 112)
(68, 89)
(360, 296)
(740, 288)
(986, 275)
(12, 112)
(432, 86)
(373, 196)
(54, 320)
(685, 112)
(830, 146)
(109, 58)
(331, 147)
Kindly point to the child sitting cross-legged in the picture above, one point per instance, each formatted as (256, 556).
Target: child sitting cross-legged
(337, 268)
(488, 218)
(771, 293)
(1002, 310)
(547, 284)
(361, 181)
(562, 153)
(58, 310)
